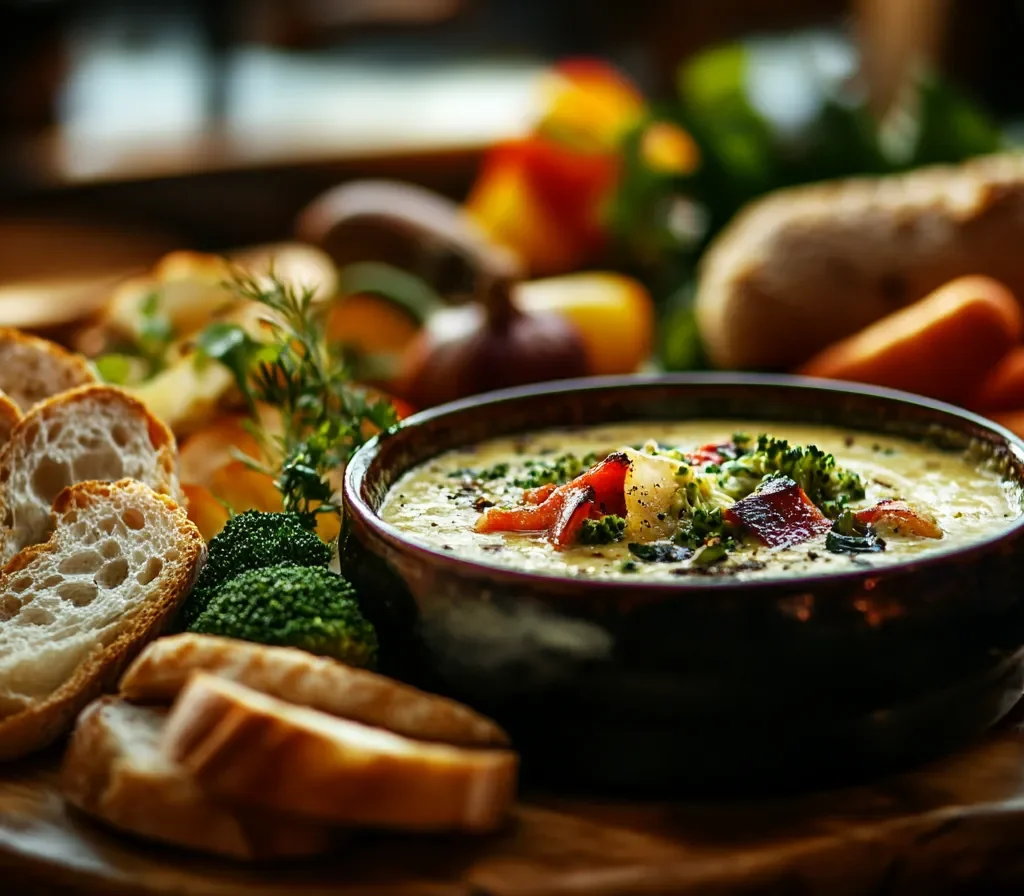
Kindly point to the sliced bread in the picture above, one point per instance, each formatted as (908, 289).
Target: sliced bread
(33, 369)
(165, 666)
(75, 610)
(115, 771)
(95, 432)
(248, 747)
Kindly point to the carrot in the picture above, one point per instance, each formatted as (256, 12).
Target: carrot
(1003, 388)
(941, 346)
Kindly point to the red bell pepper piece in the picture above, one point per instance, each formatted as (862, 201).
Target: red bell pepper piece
(540, 494)
(706, 454)
(532, 518)
(608, 480)
(560, 510)
(577, 504)
(779, 514)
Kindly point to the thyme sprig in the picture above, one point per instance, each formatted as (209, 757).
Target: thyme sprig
(292, 366)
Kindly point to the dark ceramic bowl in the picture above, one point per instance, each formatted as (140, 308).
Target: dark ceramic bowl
(632, 685)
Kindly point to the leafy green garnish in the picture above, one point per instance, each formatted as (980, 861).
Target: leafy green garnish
(325, 417)
(488, 474)
(659, 552)
(230, 345)
(849, 536)
(156, 332)
(114, 368)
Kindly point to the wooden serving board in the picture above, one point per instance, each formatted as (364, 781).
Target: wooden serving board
(953, 826)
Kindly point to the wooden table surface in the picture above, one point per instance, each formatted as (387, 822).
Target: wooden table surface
(955, 825)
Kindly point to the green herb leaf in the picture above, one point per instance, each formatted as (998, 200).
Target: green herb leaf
(411, 294)
(114, 368)
(325, 417)
(233, 347)
(155, 332)
(659, 552)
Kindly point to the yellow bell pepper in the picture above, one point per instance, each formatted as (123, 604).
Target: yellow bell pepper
(612, 313)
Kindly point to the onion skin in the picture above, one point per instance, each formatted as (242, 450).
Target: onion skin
(464, 351)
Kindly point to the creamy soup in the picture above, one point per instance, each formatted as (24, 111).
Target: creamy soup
(676, 500)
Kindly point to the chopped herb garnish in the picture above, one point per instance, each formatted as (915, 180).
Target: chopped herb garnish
(498, 471)
(557, 471)
(659, 552)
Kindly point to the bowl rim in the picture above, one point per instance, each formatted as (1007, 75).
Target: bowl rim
(360, 462)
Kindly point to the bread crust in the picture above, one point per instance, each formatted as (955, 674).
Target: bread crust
(10, 416)
(165, 666)
(807, 266)
(110, 778)
(39, 724)
(319, 766)
(13, 454)
(57, 369)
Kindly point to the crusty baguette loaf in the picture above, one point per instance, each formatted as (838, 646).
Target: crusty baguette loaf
(805, 267)
(115, 771)
(10, 416)
(165, 666)
(33, 369)
(75, 610)
(95, 432)
(248, 747)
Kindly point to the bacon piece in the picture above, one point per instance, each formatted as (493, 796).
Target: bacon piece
(900, 518)
(577, 505)
(540, 494)
(779, 514)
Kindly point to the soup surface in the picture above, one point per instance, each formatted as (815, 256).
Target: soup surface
(712, 498)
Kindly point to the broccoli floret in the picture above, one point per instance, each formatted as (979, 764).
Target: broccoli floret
(557, 471)
(607, 529)
(292, 606)
(814, 470)
(253, 540)
(705, 526)
(698, 505)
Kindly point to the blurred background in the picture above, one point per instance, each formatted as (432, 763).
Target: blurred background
(213, 122)
(129, 129)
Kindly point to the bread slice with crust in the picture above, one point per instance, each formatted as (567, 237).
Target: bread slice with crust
(165, 666)
(92, 433)
(248, 747)
(75, 610)
(33, 369)
(115, 771)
